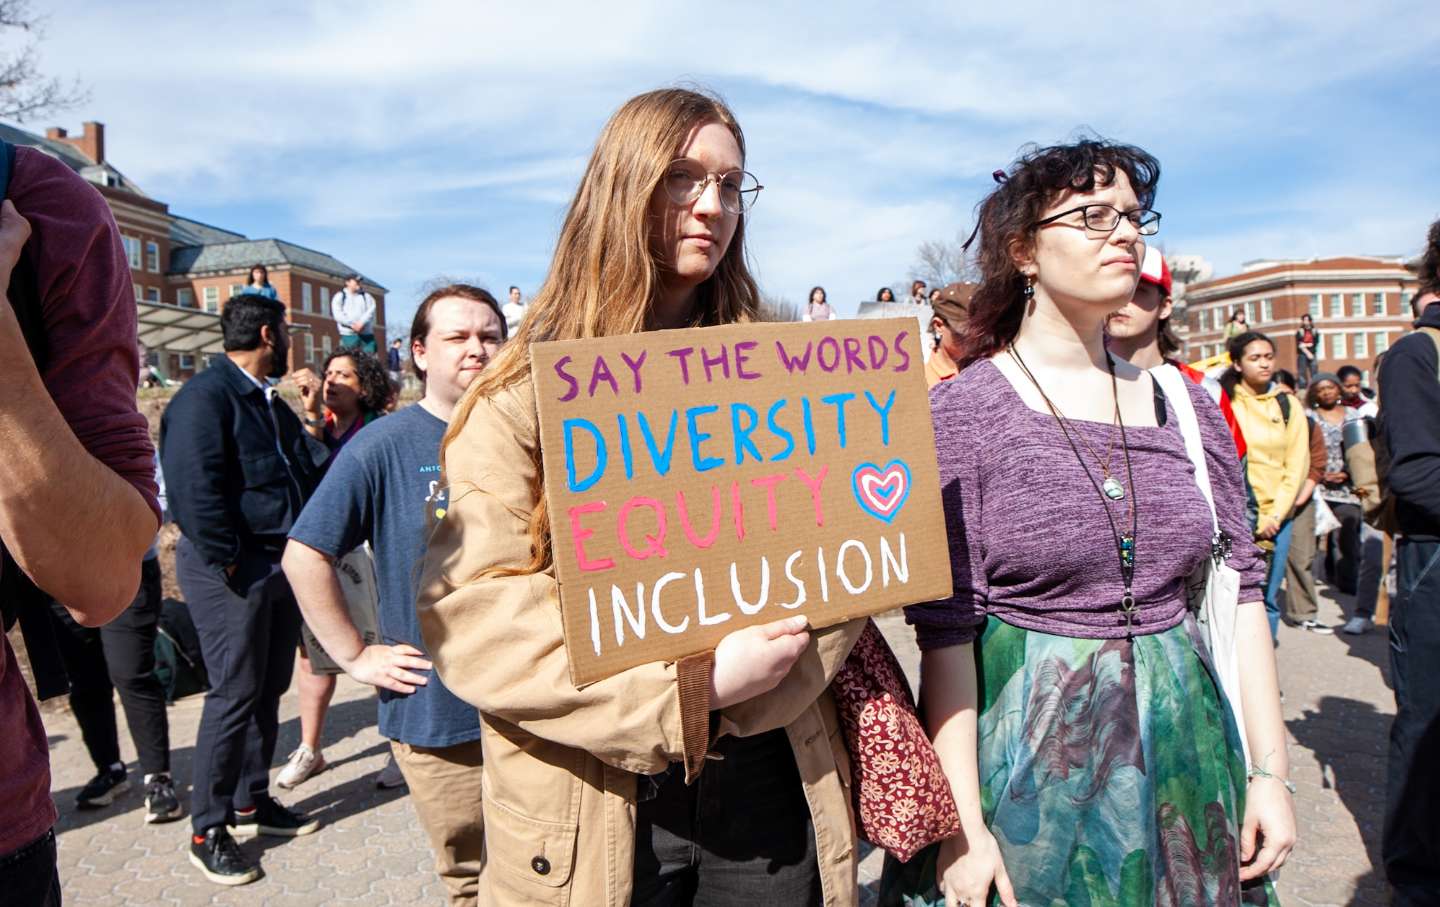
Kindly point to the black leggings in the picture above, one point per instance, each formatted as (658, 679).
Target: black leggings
(120, 655)
(741, 834)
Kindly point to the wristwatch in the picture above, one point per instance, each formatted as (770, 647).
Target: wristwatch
(314, 423)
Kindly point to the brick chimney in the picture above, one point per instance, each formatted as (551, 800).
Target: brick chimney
(90, 142)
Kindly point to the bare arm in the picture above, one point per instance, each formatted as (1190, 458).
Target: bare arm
(1269, 811)
(969, 863)
(45, 471)
(317, 590)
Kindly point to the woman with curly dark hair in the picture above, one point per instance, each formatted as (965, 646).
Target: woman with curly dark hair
(1066, 685)
(355, 390)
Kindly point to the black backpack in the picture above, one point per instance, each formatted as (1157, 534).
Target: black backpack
(179, 664)
(20, 600)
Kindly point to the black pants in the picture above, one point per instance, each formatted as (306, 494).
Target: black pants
(741, 834)
(1342, 561)
(249, 626)
(119, 655)
(29, 877)
(1411, 847)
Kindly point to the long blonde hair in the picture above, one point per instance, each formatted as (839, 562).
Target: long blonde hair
(605, 256)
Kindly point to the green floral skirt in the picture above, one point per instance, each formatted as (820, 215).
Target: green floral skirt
(1110, 774)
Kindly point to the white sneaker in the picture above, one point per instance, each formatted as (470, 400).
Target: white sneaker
(1358, 625)
(1314, 626)
(303, 763)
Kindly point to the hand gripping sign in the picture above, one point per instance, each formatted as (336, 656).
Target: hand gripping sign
(699, 481)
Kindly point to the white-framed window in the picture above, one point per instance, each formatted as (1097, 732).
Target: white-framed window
(1357, 304)
(1337, 305)
(1337, 346)
(1361, 344)
(309, 347)
(132, 250)
(322, 300)
(1405, 297)
(1382, 341)
(325, 346)
(212, 299)
(306, 297)
(185, 297)
(235, 289)
(1317, 309)
(1380, 303)
(152, 257)
(152, 294)
(187, 362)
(1267, 311)
(1250, 312)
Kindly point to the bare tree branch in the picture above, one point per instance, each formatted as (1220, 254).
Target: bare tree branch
(778, 308)
(940, 262)
(24, 92)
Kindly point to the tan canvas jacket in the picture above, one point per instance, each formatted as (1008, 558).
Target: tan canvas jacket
(560, 763)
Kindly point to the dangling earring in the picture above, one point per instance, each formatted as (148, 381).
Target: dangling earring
(1029, 287)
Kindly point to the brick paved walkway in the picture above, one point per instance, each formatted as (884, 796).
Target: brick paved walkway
(372, 851)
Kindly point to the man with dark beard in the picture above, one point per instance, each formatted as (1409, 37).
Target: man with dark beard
(239, 468)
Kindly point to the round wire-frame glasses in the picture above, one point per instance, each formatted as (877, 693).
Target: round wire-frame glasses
(686, 180)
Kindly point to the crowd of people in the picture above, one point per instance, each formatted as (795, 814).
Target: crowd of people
(1073, 691)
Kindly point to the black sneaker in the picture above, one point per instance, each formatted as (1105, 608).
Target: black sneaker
(103, 788)
(270, 818)
(161, 804)
(217, 855)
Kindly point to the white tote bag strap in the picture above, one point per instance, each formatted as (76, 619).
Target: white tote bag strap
(1173, 384)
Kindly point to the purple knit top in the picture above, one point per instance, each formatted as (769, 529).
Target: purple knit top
(1029, 540)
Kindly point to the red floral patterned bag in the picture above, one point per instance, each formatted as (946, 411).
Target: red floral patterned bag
(902, 799)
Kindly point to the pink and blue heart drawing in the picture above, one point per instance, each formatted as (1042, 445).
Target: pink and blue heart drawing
(882, 490)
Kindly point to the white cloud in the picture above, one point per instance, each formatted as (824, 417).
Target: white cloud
(425, 137)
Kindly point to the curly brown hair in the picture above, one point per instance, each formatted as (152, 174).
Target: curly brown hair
(1430, 261)
(375, 388)
(1008, 215)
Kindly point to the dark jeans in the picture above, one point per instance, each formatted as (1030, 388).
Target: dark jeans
(249, 626)
(29, 876)
(741, 834)
(1304, 370)
(119, 655)
(1411, 848)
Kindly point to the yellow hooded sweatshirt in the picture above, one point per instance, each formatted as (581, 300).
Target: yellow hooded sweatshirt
(1278, 450)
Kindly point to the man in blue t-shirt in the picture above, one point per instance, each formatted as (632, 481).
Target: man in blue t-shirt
(384, 488)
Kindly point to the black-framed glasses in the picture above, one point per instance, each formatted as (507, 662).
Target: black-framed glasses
(1105, 218)
(686, 180)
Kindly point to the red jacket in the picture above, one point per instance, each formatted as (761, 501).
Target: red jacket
(1198, 377)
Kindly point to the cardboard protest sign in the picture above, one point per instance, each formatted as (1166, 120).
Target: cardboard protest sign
(699, 481)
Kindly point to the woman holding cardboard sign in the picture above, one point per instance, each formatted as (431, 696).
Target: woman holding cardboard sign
(1068, 690)
(597, 795)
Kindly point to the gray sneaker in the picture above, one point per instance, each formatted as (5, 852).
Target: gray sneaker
(389, 777)
(1358, 626)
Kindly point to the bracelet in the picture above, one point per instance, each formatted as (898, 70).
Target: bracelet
(1256, 771)
(315, 423)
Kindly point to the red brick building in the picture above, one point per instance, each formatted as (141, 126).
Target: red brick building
(1360, 305)
(184, 270)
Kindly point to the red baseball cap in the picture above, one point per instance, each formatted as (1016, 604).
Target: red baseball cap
(1155, 270)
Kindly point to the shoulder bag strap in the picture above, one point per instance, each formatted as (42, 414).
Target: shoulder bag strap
(1173, 383)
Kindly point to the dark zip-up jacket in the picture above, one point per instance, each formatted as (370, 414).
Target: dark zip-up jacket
(230, 489)
(1410, 420)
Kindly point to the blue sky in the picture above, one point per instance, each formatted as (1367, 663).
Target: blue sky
(433, 139)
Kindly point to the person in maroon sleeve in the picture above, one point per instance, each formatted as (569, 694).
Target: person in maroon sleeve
(72, 439)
